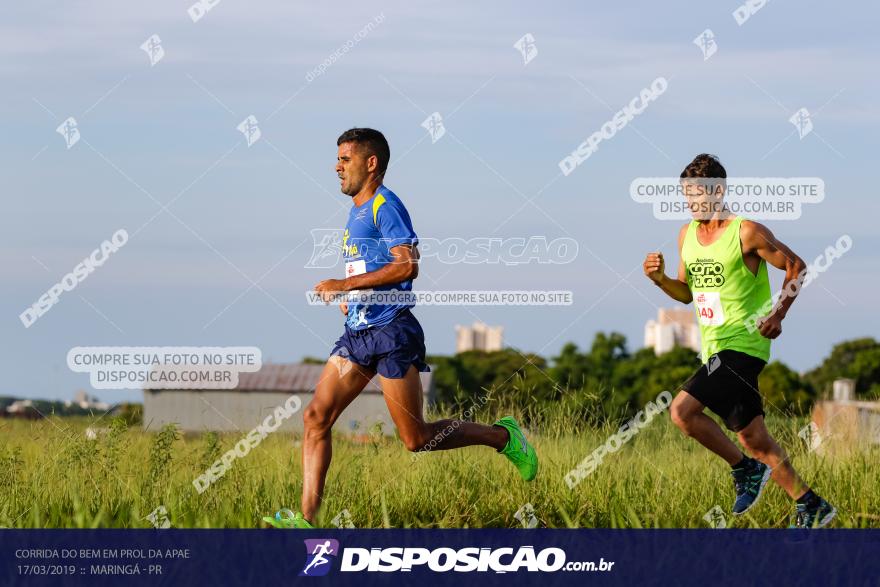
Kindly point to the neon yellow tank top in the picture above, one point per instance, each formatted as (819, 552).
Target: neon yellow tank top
(725, 292)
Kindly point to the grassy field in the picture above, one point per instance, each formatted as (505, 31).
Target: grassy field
(53, 476)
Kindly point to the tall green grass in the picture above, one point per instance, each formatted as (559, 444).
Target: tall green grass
(53, 476)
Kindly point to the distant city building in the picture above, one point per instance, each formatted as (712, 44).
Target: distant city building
(673, 327)
(479, 337)
(83, 400)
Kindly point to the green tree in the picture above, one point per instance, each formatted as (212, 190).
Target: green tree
(589, 376)
(606, 353)
(463, 379)
(857, 359)
(783, 388)
(570, 368)
(645, 375)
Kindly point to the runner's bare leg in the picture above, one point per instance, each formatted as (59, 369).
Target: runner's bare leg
(341, 382)
(404, 400)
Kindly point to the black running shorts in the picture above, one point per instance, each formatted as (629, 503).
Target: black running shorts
(728, 385)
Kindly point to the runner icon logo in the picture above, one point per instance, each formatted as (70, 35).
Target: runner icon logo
(320, 553)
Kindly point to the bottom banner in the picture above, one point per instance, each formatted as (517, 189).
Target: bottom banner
(441, 557)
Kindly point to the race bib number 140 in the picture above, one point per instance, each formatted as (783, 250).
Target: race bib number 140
(709, 308)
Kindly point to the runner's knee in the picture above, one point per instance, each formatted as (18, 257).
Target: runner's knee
(413, 444)
(418, 440)
(758, 442)
(681, 416)
(317, 418)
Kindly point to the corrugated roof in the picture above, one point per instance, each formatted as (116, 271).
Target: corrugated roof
(299, 377)
(281, 377)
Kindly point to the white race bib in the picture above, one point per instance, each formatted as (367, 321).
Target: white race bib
(358, 267)
(355, 267)
(709, 308)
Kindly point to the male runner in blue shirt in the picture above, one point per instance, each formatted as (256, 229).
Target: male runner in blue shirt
(379, 247)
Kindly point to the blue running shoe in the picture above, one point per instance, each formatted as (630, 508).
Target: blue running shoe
(749, 482)
(817, 515)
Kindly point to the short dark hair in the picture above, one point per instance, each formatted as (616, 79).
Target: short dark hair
(373, 140)
(704, 165)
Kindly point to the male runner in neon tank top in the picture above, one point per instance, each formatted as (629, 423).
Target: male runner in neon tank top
(380, 249)
(723, 270)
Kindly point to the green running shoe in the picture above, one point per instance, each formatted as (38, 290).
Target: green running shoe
(285, 519)
(517, 450)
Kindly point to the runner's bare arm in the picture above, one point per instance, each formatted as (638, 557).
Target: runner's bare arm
(655, 270)
(403, 267)
(758, 240)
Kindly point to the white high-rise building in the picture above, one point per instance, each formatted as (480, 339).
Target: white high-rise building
(479, 337)
(673, 327)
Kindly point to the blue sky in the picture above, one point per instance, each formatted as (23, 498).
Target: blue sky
(243, 214)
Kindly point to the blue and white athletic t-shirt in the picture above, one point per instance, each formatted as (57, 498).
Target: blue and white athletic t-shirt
(373, 229)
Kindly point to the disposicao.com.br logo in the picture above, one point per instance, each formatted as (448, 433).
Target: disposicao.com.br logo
(444, 559)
